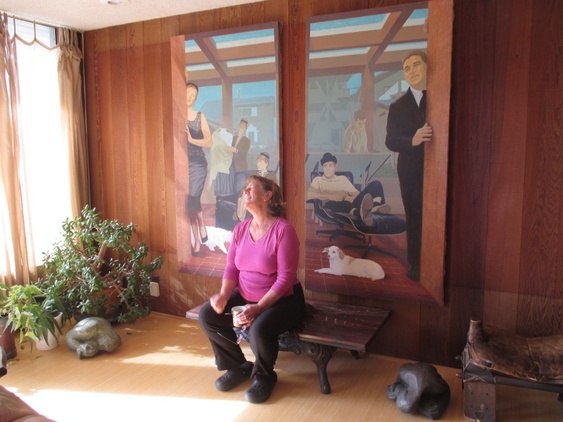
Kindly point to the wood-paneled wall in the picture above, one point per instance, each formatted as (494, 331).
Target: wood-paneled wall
(504, 255)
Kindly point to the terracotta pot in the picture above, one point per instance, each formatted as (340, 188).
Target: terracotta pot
(7, 341)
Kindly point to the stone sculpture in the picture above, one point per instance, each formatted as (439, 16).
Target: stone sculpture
(92, 335)
(420, 389)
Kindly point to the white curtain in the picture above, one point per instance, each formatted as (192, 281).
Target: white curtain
(14, 261)
(43, 155)
(45, 182)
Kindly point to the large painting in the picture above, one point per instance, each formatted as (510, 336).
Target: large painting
(376, 167)
(226, 127)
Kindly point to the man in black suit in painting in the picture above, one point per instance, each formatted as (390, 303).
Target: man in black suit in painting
(242, 145)
(407, 131)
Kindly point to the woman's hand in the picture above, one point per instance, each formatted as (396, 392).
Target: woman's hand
(218, 302)
(248, 316)
(253, 310)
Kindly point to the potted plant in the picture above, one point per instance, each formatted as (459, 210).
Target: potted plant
(28, 310)
(7, 338)
(97, 270)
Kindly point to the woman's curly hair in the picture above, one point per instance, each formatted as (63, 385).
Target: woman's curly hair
(276, 204)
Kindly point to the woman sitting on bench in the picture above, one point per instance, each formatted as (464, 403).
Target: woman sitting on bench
(261, 274)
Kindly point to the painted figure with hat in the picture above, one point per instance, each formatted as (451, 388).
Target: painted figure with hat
(338, 194)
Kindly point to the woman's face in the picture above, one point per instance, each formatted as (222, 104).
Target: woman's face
(191, 96)
(255, 197)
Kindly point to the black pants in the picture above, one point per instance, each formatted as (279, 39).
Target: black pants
(375, 189)
(411, 182)
(284, 315)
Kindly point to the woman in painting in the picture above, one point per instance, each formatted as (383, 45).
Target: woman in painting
(199, 137)
(260, 274)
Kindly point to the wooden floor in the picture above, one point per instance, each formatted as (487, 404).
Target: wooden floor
(164, 371)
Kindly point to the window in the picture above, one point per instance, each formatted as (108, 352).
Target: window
(43, 170)
(247, 112)
(29, 32)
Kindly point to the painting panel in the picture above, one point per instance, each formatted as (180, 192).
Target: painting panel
(376, 167)
(226, 97)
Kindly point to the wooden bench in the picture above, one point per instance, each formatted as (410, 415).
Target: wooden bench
(331, 326)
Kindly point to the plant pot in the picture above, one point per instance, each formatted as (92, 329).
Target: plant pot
(111, 310)
(7, 341)
(52, 341)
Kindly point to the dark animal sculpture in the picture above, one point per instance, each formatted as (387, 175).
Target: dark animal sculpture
(420, 389)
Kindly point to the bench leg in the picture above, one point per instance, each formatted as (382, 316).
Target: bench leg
(321, 355)
(479, 400)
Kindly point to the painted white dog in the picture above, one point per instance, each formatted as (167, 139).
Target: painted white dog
(342, 264)
(217, 237)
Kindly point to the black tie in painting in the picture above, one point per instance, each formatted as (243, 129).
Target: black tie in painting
(423, 100)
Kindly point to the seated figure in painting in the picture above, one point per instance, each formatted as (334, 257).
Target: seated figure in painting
(338, 194)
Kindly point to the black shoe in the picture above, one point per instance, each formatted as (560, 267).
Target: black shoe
(261, 388)
(234, 377)
(204, 238)
(381, 209)
(365, 210)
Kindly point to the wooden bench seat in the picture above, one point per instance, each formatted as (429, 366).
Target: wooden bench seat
(331, 326)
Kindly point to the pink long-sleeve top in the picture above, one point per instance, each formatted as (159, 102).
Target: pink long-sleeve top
(268, 263)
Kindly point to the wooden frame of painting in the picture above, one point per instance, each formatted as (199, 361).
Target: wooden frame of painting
(237, 74)
(355, 62)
